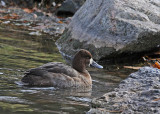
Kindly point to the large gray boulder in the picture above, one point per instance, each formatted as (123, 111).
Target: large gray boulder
(113, 27)
(138, 94)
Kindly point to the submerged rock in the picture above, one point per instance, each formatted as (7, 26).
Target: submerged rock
(138, 94)
(113, 27)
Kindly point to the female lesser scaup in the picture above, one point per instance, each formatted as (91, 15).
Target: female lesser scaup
(60, 75)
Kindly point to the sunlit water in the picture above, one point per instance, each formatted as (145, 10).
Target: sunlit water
(20, 51)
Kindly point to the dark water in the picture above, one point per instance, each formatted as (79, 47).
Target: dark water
(20, 51)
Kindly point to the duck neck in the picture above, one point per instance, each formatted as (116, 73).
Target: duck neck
(77, 65)
(81, 68)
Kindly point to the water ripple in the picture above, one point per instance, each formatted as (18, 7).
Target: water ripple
(14, 100)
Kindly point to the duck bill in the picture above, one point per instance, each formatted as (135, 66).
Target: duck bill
(94, 64)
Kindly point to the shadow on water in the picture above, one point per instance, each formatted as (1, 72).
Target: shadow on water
(20, 51)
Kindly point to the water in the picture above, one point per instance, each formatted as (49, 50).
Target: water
(20, 51)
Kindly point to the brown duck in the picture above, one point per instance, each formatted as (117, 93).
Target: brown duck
(59, 75)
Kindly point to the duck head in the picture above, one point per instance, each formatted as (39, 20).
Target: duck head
(82, 59)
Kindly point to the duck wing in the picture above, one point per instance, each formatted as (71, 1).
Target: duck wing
(53, 67)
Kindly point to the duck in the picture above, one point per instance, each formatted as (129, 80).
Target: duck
(57, 74)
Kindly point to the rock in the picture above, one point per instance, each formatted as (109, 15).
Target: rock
(20, 3)
(41, 4)
(138, 94)
(69, 7)
(37, 33)
(37, 21)
(2, 3)
(108, 28)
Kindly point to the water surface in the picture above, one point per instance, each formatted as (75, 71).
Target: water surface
(20, 51)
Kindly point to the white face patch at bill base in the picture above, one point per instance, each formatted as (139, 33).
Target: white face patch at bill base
(91, 61)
